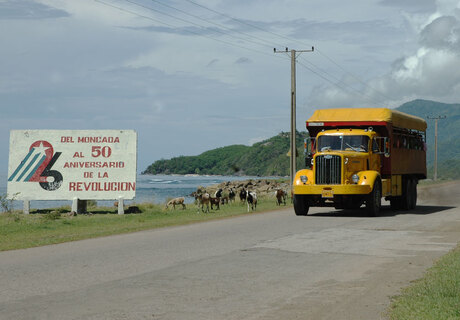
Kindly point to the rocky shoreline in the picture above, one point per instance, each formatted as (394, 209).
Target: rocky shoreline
(263, 187)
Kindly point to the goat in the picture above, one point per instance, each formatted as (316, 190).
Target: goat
(251, 198)
(231, 195)
(223, 196)
(215, 201)
(176, 201)
(280, 196)
(203, 199)
(243, 195)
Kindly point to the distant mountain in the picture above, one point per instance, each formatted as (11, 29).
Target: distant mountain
(269, 157)
(266, 158)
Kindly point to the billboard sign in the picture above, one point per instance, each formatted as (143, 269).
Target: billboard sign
(68, 164)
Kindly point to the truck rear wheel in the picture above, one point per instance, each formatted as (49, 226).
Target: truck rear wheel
(413, 191)
(409, 196)
(395, 203)
(301, 205)
(374, 200)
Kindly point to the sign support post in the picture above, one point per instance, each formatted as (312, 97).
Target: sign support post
(26, 209)
(121, 206)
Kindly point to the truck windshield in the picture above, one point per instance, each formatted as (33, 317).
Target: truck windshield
(342, 142)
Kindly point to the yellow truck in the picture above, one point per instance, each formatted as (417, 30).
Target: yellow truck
(359, 155)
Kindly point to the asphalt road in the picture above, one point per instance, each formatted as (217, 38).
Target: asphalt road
(329, 265)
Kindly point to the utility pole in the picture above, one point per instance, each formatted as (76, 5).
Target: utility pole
(436, 144)
(293, 150)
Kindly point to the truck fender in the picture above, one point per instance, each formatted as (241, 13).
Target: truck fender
(303, 172)
(368, 177)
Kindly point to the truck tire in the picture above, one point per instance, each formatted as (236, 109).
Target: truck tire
(413, 191)
(374, 200)
(407, 195)
(395, 203)
(301, 205)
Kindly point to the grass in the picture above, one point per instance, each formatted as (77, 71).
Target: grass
(45, 227)
(435, 296)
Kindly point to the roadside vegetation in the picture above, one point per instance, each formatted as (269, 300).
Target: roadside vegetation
(435, 296)
(45, 227)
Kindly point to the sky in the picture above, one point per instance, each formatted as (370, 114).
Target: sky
(194, 75)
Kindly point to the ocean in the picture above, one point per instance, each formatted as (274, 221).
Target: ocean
(150, 188)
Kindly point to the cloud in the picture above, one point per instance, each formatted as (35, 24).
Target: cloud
(442, 33)
(344, 32)
(414, 6)
(212, 62)
(184, 31)
(243, 60)
(431, 71)
(28, 10)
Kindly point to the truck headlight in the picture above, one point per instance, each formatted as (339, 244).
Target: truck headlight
(304, 179)
(355, 178)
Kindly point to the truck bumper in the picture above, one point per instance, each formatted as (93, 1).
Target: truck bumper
(329, 191)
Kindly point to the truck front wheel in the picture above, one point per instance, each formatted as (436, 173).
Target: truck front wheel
(301, 205)
(374, 200)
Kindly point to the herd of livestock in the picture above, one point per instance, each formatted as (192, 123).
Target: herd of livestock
(205, 200)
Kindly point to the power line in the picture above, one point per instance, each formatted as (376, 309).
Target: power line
(264, 42)
(183, 20)
(173, 26)
(235, 19)
(294, 40)
(318, 73)
(341, 86)
(352, 75)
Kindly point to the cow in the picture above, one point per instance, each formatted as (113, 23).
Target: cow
(176, 201)
(280, 196)
(251, 198)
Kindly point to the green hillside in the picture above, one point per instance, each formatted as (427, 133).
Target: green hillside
(268, 158)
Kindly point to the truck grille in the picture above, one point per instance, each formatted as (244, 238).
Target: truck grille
(328, 169)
